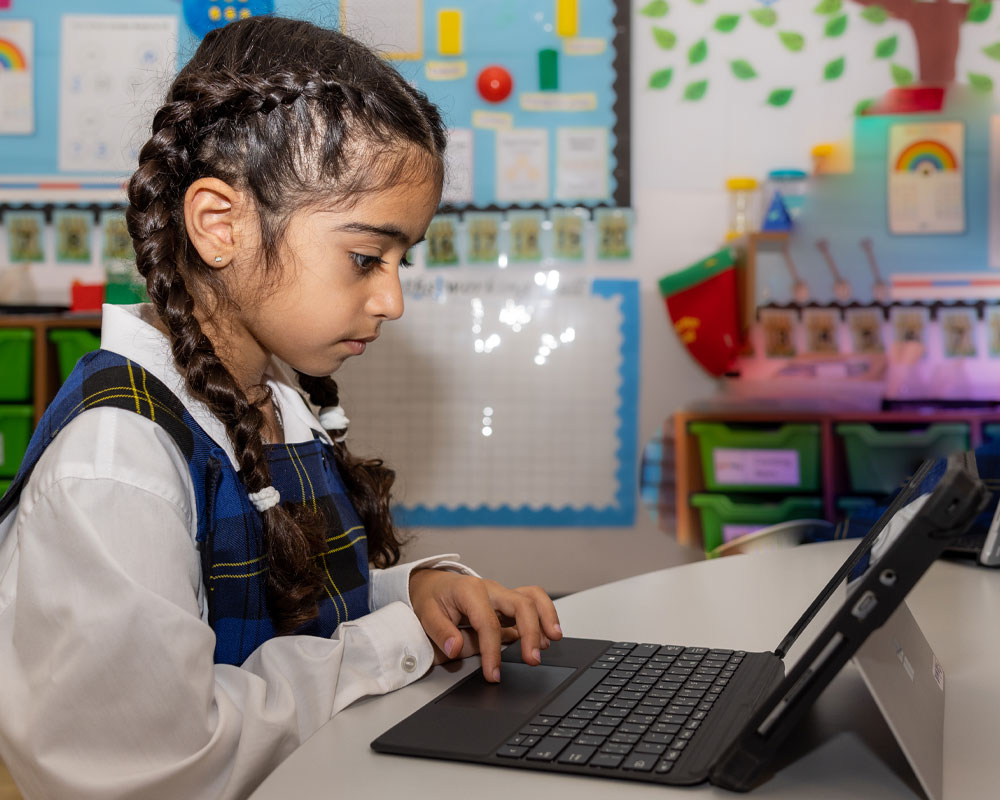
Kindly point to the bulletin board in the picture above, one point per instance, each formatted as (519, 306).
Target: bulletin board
(553, 126)
(499, 402)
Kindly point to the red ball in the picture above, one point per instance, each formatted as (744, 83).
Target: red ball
(495, 84)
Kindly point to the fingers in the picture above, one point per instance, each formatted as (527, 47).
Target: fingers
(546, 611)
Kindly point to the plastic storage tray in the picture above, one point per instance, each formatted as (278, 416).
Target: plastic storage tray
(759, 459)
(724, 518)
(879, 460)
(15, 431)
(15, 364)
(71, 345)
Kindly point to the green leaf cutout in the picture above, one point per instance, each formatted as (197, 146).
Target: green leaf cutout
(901, 76)
(863, 106)
(698, 2)
(657, 8)
(665, 38)
(780, 97)
(742, 69)
(696, 90)
(661, 78)
(886, 47)
(876, 15)
(764, 16)
(834, 69)
(793, 41)
(727, 22)
(698, 52)
(828, 7)
(993, 51)
(979, 10)
(981, 83)
(836, 26)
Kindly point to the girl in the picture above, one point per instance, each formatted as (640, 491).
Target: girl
(185, 592)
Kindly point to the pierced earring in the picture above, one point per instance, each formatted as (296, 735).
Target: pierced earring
(218, 259)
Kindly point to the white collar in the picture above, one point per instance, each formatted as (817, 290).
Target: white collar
(129, 332)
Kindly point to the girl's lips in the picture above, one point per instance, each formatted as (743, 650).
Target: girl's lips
(356, 346)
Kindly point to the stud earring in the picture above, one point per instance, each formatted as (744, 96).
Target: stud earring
(218, 259)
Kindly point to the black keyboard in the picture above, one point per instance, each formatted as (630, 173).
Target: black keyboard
(640, 708)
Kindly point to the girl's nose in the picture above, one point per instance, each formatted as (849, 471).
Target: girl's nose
(387, 299)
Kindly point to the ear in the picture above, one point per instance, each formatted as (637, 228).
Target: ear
(211, 209)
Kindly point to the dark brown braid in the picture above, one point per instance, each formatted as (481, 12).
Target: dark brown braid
(291, 114)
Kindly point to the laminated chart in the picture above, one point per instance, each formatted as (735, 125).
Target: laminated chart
(504, 401)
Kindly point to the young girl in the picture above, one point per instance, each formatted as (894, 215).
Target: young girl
(185, 591)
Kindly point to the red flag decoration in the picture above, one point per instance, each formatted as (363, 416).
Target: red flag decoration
(702, 303)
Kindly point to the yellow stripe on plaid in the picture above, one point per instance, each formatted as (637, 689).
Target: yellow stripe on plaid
(312, 492)
(302, 487)
(247, 575)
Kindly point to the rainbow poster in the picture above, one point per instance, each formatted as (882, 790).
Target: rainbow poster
(17, 111)
(926, 180)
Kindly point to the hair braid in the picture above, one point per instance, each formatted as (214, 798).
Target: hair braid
(247, 110)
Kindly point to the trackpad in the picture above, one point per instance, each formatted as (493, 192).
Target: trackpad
(521, 688)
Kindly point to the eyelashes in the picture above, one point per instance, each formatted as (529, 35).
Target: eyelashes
(367, 264)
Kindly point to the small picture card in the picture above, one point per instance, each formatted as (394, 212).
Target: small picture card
(482, 237)
(614, 233)
(821, 330)
(25, 235)
(958, 331)
(778, 325)
(116, 242)
(442, 241)
(909, 325)
(993, 330)
(74, 230)
(568, 227)
(527, 232)
(865, 327)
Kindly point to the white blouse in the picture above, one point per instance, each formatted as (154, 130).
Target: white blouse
(107, 682)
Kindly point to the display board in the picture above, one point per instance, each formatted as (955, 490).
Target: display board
(502, 402)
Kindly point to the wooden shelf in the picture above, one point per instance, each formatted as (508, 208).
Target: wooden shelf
(45, 364)
(834, 481)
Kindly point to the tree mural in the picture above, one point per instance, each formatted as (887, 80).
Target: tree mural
(936, 26)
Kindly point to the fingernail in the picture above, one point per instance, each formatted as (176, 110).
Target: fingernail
(536, 654)
(496, 675)
(448, 645)
(545, 642)
(559, 627)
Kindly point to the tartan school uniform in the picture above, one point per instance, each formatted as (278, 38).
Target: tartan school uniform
(111, 685)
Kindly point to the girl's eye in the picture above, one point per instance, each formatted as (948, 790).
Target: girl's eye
(405, 262)
(366, 264)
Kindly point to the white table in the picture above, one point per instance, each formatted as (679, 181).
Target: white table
(843, 750)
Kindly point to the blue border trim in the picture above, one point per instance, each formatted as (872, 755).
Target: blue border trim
(622, 513)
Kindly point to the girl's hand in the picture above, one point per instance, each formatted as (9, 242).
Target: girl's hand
(444, 600)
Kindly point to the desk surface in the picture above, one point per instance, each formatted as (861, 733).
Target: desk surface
(843, 749)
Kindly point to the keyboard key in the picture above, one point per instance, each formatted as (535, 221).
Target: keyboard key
(511, 751)
(626, 727)
(598, 730)
(582, 713)
(606, 721)
(624, 645)
(670, 650)
(680, 744)
(548, 749)
(617, 748)
(625, 702)
(640, 719)
(629, 694)
(531, 741)
(576, 754)
(640, 762)
(664, 727)
(606, 760)
(664, 767)
(565, 733)
(618, 651)
(542, 720)
(624, 738)
(649, 747)
(518, 739)
(672, 755)
(570, 722)
(535, 730)
(658, 738)
(696, 650)
(673, 719)
(590, 741)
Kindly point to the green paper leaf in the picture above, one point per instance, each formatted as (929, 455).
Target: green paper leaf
(863, 106)
(698, 52)
(875, 14)
(698, 2)
(657, 8)
(836, 26)
(793, 41)
(981, 83)
(780, 97)
(742, 69)
(727, 22)
(993, 51)
(696, 90)
(901, 76)
(886, 47)
(764, 16)
(827, 7)
(661, 78)
(979, 10)
(834, 69)
(665, 38)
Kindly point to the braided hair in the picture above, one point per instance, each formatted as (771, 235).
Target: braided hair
(290, 114)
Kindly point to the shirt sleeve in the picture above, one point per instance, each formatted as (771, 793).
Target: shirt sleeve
(393, 584)
(109, 687)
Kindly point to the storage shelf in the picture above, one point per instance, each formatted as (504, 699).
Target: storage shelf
(834, 482)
